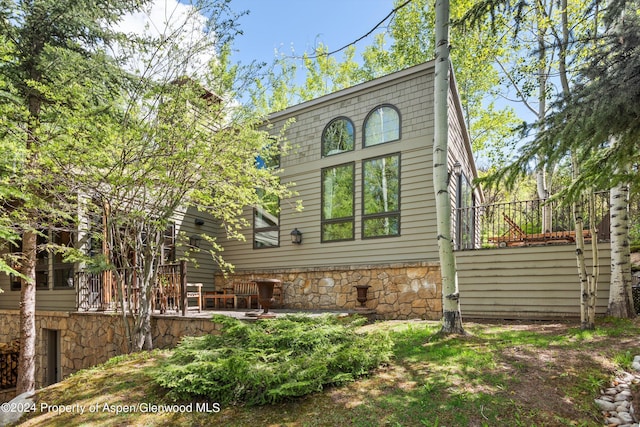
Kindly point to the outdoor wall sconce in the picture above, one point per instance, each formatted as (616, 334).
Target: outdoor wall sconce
(195, 241)
(199, 221)
(457, 170)
(296, 236)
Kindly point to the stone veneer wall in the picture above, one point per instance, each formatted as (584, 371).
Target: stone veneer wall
(398, 291)
(88, 339)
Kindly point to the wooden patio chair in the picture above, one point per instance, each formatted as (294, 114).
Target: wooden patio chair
(513, 235)
(247, 291)
(278, 295)
(515, 232)
(194, 291)
(219, 299)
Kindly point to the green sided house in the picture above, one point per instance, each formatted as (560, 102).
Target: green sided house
(362, 166)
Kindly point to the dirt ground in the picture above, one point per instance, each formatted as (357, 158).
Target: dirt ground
(544, 375)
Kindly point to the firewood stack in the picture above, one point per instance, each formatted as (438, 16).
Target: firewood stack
(9, 364)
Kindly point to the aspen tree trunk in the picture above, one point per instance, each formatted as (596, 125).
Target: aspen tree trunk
(620, 292)
(451, 317)
(620, 297)
(587, 281)
(595, 260)
(582, 267)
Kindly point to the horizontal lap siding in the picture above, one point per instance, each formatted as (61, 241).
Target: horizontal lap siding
(49, 300)
(523, 282)
(57, 299)
(200, 266)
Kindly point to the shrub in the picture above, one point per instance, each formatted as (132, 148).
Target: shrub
(273, 360)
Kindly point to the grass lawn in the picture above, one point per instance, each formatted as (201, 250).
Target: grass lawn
(501, 374)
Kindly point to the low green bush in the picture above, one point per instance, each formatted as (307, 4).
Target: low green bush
(272, 360)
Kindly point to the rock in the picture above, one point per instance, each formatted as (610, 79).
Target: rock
(625, 418)
(623, 395)
(24, 400)
(605, 405)
(623, 406)
(615, 421)
(620, 402)
(636, 363)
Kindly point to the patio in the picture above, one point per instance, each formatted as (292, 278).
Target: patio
(241, 314)
(98, 292)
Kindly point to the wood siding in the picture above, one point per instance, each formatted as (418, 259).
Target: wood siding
(527, 282)
(201, 268)
(411, 92)
(46, 299)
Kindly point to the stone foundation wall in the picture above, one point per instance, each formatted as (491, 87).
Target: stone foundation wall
(88, 339)
(398, 291)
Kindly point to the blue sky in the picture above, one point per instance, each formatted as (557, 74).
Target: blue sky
(302, 24)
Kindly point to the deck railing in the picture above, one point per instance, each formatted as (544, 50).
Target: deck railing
(524, 223)
(9, 365)
(99, 291)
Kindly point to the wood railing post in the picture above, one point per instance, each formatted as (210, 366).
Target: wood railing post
(183, 286)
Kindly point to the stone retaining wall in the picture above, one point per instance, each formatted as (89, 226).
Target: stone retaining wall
(88, 339)
(398, 291)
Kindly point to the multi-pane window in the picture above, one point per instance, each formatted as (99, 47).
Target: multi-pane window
(266, 214)
(16, 252)
(51, 266)
(381, 196)
(169, 244)
(380, 178)
(465, 215)
(338, 215)
(381, 125)
(266, 222)
(338, 137)
(62, 271)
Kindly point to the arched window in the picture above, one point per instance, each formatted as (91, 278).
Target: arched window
(381, 125)
(338, 137)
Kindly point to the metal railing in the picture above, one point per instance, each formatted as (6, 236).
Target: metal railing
(524, 223)
(9, 365)
(99, 291)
